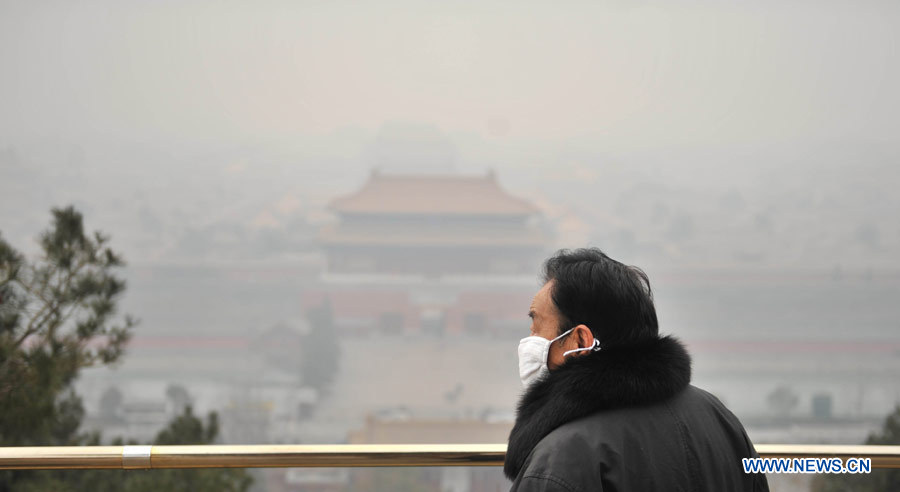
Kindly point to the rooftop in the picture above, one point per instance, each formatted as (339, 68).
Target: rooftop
(432, 194)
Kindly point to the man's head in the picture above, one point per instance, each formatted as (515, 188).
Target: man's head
(597, 296)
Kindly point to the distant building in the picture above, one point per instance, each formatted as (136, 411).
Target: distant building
(434, 255)
(409, 430)
(262, 398)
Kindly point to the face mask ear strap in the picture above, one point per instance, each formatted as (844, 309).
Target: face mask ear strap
(562, 334)
(594, 347)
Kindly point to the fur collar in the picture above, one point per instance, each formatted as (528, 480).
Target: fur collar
(610, 378)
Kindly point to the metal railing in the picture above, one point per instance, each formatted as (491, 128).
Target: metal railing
(344, 455)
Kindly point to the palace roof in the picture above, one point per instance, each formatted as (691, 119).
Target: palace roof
(449, 235)
(432, 194)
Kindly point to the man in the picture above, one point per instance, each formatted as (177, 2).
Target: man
(608, 404)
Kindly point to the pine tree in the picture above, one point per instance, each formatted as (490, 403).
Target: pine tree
(320, 349)
(58, 316)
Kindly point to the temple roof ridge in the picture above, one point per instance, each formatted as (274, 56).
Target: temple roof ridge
(426, 193)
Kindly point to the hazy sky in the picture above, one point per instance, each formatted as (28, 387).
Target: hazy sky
(627, 74)
(765, 129)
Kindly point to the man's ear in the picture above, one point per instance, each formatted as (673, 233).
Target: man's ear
(585, 337)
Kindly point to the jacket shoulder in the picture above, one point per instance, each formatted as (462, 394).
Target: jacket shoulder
(562, 461)
(544, 483)
(687, 442)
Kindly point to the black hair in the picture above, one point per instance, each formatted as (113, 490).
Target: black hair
(614, 300)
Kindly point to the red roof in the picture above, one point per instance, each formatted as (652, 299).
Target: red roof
(427, 194)
(448, 235)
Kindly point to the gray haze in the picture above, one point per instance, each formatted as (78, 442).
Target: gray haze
(688, 134)
(744, 153)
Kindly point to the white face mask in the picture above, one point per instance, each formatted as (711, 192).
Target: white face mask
(533, 353)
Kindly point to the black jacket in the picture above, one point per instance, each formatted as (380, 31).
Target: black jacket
(627, 419)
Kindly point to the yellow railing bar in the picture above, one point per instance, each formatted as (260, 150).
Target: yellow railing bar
(342, 455)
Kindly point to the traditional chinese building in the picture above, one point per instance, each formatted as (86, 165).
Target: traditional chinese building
(431, 254)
